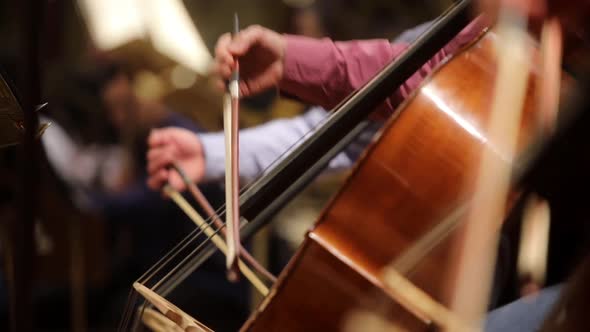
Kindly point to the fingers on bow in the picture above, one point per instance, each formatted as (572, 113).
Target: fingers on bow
(161, 155)
(228, 48)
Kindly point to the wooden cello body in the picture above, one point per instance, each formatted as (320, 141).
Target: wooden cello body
(419, 170)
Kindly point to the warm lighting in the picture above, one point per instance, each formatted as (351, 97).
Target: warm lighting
(299, 3)
(113, 23)
(148, 86)
(174, 34)
(182, 78)
(442, 105)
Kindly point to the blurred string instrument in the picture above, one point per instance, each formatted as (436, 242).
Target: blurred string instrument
(425, 175)
(60, 242)
(12, 117)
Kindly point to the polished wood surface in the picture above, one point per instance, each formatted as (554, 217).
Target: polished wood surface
(417, 173)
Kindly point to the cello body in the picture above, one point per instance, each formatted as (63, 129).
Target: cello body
(419, 169)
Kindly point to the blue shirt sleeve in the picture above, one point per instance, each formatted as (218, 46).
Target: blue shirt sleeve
(264, 145)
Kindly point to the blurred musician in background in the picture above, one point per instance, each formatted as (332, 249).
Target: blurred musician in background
(97, 146)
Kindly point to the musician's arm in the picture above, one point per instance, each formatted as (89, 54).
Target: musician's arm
(323, 72)
(260, 146)
(258, 152)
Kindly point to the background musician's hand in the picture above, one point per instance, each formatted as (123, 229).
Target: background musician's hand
(260, 52)
(174, 145)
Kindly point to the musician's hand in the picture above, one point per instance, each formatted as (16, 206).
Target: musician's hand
(260, 52)
(174, 145)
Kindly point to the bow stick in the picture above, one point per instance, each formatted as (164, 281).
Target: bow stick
(174, 318)
(478, 255)
(183, 320)
(534, 238)
(230, 125)
(215, 238)
(204, 203)
(157, 322)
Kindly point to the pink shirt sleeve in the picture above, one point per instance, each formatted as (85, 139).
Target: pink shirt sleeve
(323, 72)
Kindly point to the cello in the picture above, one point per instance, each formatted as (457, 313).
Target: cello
(339, 258)
(403, 203)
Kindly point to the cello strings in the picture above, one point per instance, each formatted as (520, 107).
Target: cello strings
(171, 277)
(178, 249)
(179, 265)
(164, 261)
(168, 257)
(125, 319)
(129, 312)
(210, 232)
(140, 315)
(209, 211)
(129, 307)
(150, 272)
(188, 257)
(192, 236)
(215, 238)
(199, 257)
